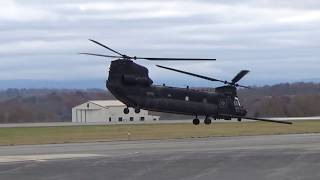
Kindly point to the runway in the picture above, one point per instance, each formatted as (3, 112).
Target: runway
(58, 124)
(248, 157)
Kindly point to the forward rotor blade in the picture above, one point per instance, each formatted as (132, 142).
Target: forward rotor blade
(106, 47)
(102, 55)
(191, 74)
(175, 59)
(239, 76)
(151, 58)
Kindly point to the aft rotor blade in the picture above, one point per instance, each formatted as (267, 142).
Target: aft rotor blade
(174, 59)
(238, 85)
(191, 74)
(102, 55)
(257, 119)
(106, 47)
(239, 76)
(267, 120)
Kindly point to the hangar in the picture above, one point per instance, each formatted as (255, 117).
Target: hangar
(109, 111)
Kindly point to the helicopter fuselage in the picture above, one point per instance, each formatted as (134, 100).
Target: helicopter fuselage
(130, 83)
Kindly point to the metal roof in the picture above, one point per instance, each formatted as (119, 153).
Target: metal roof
(108, 103)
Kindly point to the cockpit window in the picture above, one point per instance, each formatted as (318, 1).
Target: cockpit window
(236, 102)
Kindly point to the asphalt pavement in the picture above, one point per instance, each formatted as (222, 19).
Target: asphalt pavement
(248, 157)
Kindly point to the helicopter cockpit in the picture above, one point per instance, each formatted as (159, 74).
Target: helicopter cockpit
(236, 102)
(237, 106)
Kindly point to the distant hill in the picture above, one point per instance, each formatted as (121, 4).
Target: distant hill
(49, 105)
(43, 105)
(282, 100)
(55, 84)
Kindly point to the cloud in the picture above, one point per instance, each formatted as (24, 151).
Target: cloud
(10, 10)
(274, 39)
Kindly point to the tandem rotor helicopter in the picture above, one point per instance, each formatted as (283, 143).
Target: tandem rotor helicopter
(130, 83)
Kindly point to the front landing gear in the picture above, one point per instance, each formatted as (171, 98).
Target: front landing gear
(126, 110)
(196, 121)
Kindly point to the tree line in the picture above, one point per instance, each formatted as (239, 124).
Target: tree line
(52, 105)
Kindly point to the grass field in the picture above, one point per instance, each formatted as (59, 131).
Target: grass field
(47, 135)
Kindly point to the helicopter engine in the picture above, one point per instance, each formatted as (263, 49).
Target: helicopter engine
(134, 80)
(128, 73)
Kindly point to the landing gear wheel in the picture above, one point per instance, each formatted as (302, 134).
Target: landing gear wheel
(126, 110)
(137, 110)
(207, 121)
(239, 119)
(196, 121)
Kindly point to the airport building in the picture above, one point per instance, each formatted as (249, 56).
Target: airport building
(109, 112)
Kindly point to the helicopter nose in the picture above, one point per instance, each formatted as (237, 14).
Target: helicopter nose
(244, 112)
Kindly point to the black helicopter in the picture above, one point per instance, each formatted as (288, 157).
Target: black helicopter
(130, 83)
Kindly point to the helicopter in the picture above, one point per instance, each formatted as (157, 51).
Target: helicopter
(130, 83)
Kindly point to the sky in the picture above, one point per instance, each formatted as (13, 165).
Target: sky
(278, 41)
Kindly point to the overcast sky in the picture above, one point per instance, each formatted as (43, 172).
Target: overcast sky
(277, 41)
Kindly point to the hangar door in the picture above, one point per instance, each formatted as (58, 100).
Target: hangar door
(81, 115)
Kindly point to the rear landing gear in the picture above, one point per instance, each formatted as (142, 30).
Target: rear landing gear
(137, 110)
(126, 110)
(207, 121)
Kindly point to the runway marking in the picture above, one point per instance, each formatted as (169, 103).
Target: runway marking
(43, 157)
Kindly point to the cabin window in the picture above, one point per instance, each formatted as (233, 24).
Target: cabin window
(120, 119)
(131, 119)
(187, 98)
(150, 93)
(222, 102)
(141, 118)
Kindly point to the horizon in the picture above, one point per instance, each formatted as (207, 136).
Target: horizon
(100, 84)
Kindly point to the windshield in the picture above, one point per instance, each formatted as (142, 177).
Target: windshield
(236, 102)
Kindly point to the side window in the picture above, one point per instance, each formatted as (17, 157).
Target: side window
(131, 119)
(151, 94)
(141, 118)
(229, 102)
(222, 102)
(120, 119)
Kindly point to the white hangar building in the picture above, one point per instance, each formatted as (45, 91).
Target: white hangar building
(110, 111)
